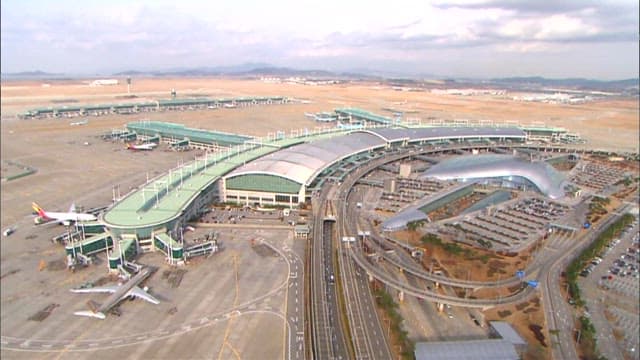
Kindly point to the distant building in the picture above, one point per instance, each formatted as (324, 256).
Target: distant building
(103, 82)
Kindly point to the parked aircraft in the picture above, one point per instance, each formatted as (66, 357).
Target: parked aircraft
(118, 293)
(66, 218)
(146, 146)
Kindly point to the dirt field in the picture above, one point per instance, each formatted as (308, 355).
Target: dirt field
(70, 171)
(599, 121)
(523, 317)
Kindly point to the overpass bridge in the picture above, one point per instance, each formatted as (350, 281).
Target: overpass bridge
(379, 274)
(385, 278)
(401, 261)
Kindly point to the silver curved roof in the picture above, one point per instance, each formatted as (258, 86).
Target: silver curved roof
(400, 220)
(302, 163)
(549, 181)
(439, 133)
(413, 213)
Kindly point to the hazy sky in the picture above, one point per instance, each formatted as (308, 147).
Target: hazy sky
(461, 38)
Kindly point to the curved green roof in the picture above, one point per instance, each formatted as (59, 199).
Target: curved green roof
(263, 182)
(179, 131)
(163, 199)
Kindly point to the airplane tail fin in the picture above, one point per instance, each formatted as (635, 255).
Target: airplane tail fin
(38, 209)
(72, 208)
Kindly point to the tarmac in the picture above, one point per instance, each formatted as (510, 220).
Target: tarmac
(232, 302)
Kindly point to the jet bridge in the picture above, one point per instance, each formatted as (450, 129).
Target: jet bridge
(173, 249)
(125, 250)
(205, 248)
(90, 227)
(89, 246)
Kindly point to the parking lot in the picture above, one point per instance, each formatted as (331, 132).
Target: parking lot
(611, 284)
(596, 176)
(509, 226)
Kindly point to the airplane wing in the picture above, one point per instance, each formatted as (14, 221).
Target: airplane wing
(88, 313)
(47, 222)
(97, 289)
(141, 294)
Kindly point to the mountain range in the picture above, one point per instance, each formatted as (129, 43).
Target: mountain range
(252, 70)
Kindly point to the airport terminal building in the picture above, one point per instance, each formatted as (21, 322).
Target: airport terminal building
(282, 171)
(289, 176)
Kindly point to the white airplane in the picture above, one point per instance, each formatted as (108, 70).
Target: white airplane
(77, 123)
(118, 293)
(146, 146)
(66, 218)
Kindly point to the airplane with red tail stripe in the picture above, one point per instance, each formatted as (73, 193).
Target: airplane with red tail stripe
(146, 146)
(65, 218)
